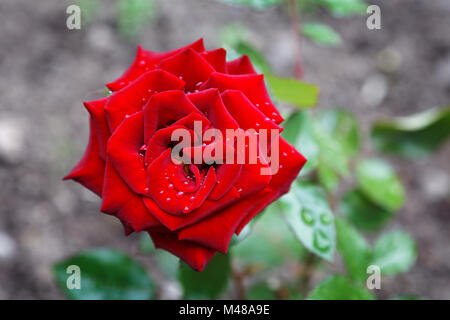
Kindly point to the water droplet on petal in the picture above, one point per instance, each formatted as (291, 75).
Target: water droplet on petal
(192, 198)
(185, 183)
(179, 195)
(161, 192)
(146, 190)
(239, 190)
(267, 103)
(285, 154)
(168, 199)
(142, 63)
(186, 209)
(257, 105)
(170, 186)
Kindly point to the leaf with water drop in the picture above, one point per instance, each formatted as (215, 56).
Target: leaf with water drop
(310, 218)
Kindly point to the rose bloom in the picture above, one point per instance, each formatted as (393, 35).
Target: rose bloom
(190, 210)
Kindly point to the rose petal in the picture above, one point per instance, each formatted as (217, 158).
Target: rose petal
(217, 59)
(241, 65)
(132, 98)
(164, 109)
(147, 60)
(89, 170)
(252, 85)
(121, 201)
(96, 109)
(210, 103)
(124, 152)
(189, 66)
(193, 254)
(215, 232)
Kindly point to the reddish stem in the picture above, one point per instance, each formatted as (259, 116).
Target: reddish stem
(294, 14)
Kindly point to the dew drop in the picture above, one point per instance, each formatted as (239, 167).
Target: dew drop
(325, 219)
(257, 124)
(198, 84)
(192, 198)
(274, 114)
(186, 209)
(161, 192)
(239, 190)
(179, 195)
(257, 105)
(285, 154)
(142, 63)
(321, 240)
(185, 183)
(168, 199)
(170, 186)
(267, 119)
(307, 217)
(146, 190)
(267, 103)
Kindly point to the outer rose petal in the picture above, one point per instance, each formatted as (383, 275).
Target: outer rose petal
(119, 200)
(96, 109)
(147, 60)
(89, 170)
(195, 255)
(217, 59)
(216, 231)
(241, 65)
(252, 85)
(189, 66)
(133, 98)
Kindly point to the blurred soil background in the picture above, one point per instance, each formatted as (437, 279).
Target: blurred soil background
(47, 71)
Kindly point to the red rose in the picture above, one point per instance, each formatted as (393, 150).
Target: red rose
(191, 210)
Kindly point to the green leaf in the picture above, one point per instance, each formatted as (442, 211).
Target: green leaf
(310, 218)
(394, 252)
(255, 4)
(321, 33)
(105, 274)
(208, 284)
(343, 126)
(338, 287)
(413, 136)
(270, 244)
(354, 250)
(332, 152)
(343, 8)
(261, 291)
(299, 131)
(133, 15)
(378, 181)
(363, 213)
(295, 92)
(327, 177)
